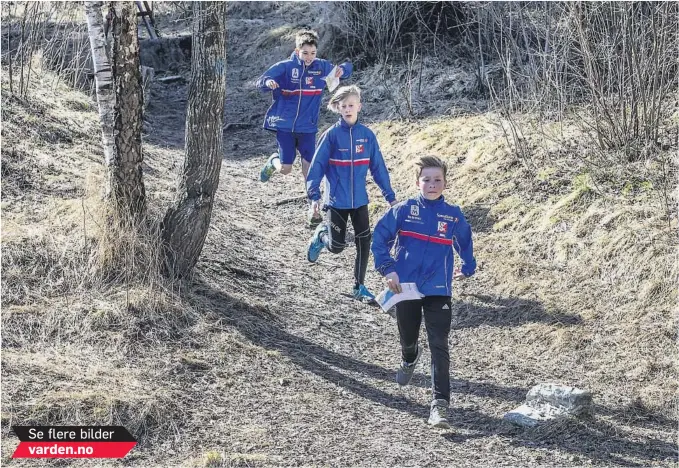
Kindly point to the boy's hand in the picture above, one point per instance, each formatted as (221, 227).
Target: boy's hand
(457, 274)
(271, 84)
(315, 209)
(339, 72)
(393, 282)
(393, 203)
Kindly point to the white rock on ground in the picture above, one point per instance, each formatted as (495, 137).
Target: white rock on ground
(550, 401)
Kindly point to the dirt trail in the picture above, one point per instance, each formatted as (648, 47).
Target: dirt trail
(338, 403)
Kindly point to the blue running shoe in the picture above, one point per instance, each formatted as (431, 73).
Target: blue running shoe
(362, 294)
(316, 243)
(268, 169)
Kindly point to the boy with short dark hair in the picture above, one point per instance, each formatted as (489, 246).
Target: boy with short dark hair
(297, 88)
(423, 232)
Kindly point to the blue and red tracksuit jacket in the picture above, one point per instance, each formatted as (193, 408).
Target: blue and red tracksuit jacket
(297, 101)
(423, 234)
(343, 156)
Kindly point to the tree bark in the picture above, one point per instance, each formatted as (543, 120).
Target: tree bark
(126, 184)
(186, 224)
(102, 75)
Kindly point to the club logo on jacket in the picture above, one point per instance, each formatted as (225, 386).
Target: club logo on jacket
(359, 149)
(295, 73)
(309, 80)
(443, 227)
(447, 217)
(414, 210)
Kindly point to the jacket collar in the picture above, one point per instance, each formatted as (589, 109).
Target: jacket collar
(343, 124)
(430, 203)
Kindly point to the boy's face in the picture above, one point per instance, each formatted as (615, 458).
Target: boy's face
(307, 54)
(349, 108)
(431, 182)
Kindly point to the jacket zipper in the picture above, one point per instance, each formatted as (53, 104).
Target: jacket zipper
(419, 282)
(299, 102)
(424, 253)
(351, 152)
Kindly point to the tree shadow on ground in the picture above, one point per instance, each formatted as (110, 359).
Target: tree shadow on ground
(592, 439)
(587, 438)
(488, 390)
(505, 312)
(635, 414)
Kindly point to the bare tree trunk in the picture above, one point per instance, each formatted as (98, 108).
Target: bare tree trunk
(126, 184)
(186, 224)
(9, 50)
(102, 75)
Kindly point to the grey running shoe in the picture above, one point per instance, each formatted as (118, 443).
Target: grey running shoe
(405, 372)
(438, 414)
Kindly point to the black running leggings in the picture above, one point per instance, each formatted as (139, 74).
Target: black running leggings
(437, 317)
(337, 230)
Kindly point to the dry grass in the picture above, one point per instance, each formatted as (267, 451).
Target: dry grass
(81, 303)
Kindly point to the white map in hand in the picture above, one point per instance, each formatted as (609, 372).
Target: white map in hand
(331, 80)
(387, 299)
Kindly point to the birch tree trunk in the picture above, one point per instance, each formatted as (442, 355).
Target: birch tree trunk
(126, 184)
(186, 224)
(103, 76)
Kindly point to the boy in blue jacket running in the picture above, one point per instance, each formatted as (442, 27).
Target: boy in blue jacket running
(345, 153)
(423, 231)
(297, 89)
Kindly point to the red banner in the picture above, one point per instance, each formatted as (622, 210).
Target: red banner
(73, 449)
